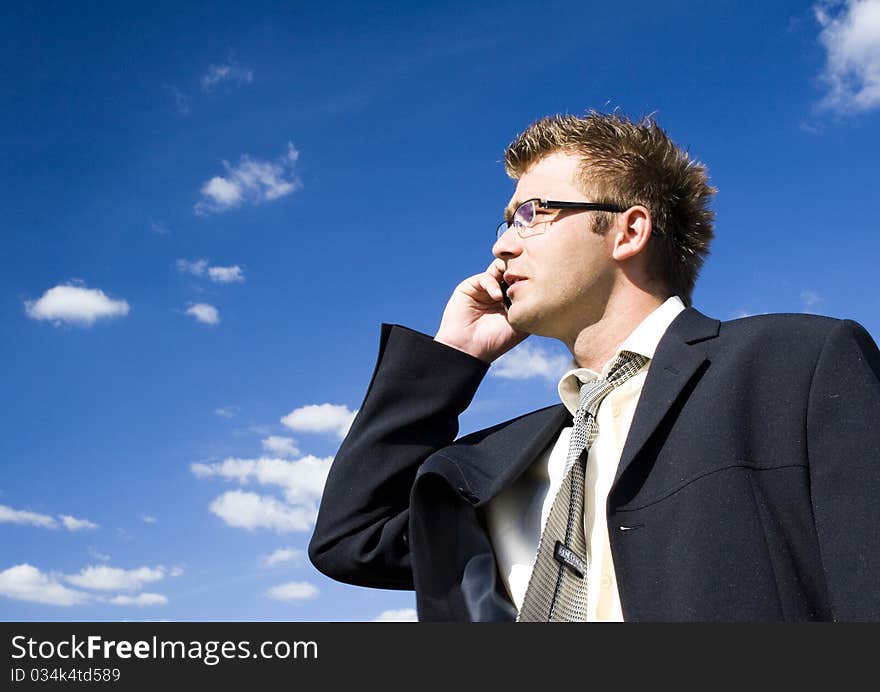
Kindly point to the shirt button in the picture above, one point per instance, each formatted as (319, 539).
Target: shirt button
(605, 582)
(616, 411)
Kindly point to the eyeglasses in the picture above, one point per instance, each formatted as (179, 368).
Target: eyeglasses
(525, 218)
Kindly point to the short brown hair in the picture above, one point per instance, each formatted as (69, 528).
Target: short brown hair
(627, 163)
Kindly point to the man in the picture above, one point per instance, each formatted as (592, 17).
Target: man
(695, 470)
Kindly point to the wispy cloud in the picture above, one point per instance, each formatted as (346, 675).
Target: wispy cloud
(74, 524)
(402, 615)
(204, 313)
(21, 516)
(252, 181)
(159, 228)
(141, 600)
(181, 101)
(321, 418)
(201, 268)
(26, 583)
(75, 304)
(530, 360)
(282, 446)
(149, 519)
(282, 555)
(45, 521)
(195, 267)
(229, 72)
(810, 298)
(851, 37)
(293, 591)
(226, 411)
(105, 578)
(95, 553)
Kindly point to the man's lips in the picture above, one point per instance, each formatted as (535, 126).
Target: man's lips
(513, 282)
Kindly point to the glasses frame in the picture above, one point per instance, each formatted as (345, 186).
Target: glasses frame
(551, 204)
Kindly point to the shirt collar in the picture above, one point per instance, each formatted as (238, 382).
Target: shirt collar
(642, 340)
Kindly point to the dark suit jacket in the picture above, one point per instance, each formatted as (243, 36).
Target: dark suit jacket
(748, 488)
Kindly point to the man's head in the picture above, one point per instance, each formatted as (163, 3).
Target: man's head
(628, 163)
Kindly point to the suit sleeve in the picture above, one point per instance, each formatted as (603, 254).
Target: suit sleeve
(843, 439)
(418, 389)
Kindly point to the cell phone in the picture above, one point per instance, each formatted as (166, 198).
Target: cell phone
(504, 291)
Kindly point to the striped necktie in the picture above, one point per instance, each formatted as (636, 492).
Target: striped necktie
(557, 590)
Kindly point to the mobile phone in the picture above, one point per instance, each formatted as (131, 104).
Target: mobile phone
(504, 292)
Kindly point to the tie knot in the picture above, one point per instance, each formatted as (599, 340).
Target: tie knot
(625, 366)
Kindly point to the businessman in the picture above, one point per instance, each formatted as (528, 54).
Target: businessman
(694, 469)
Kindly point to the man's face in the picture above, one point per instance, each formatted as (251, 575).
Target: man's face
(561, 279)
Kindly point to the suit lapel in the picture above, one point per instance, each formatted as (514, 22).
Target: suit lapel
(536, 437)
(493, 458)
(675, 362)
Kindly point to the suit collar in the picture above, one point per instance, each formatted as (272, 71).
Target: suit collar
(675, 363)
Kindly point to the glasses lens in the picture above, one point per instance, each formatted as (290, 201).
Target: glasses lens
(524, 216)
(502, 227)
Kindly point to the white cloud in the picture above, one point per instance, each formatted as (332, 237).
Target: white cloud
(282, 555)
(75, 304)
(230, 72)
(74, 524)
(332, 418)
(252, 511)
(204, 313)
(196, 268)
(282, 446)
(403, 615)
(293, 591)
(220, 275)
(302, 480)
(530, 360)
(226, 275)
(141, 600)
(95, 553)
(149, 519)
(251, 181)
(226, 411)
(104, 578)
(27, 583)
(851, 36)
(20, 516)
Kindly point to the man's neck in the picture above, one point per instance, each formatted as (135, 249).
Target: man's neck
(595, 344)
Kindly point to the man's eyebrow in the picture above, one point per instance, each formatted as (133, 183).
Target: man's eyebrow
(509, 209)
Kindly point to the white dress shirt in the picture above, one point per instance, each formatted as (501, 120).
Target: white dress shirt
(516, 517)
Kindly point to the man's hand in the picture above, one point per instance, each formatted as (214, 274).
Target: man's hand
(475, 319)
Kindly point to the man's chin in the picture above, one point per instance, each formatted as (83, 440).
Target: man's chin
(521, 319)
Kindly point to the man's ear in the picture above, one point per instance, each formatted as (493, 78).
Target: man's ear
(631, 233)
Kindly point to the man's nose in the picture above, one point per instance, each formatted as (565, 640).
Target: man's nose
(509, 244)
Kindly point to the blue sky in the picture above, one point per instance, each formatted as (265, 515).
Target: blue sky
(208, 211)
